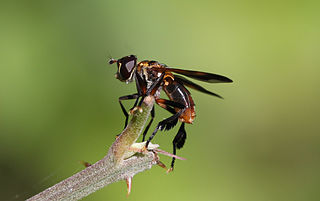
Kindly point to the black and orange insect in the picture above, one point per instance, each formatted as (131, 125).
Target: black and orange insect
(151, 78)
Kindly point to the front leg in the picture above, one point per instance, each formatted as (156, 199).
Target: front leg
(127, 97)
(141, 85)
(153, 88)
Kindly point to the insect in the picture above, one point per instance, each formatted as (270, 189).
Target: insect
(151, 77)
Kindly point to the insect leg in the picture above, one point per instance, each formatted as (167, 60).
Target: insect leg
(170, 106)
(165, 124)
(141, 85)
(178, 142)
(180, 137)
(170, 122)
(153, 88)
(128, 97)
(135, 103)
(164, 103)
(149, 124)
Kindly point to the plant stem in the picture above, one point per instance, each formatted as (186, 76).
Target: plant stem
(115, 166)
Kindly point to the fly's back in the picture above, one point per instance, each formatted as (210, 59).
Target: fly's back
(151, 70)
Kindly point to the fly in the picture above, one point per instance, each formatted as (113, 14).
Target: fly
(152, 77)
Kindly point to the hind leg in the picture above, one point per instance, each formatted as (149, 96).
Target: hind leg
(178, 142)
(170, 122)
(166, 124)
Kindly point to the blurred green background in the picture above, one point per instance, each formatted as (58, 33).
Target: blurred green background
(58, 95)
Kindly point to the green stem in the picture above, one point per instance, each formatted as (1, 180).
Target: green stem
(132, 132)
(112, 168)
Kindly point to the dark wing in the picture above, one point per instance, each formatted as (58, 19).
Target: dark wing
(202, 76)
(192, 85)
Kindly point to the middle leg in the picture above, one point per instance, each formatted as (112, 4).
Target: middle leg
(171, 121)
(149, 124)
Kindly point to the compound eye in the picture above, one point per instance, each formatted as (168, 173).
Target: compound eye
(130, 65)
(126, 66)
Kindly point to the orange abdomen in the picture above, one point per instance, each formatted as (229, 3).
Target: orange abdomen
(188, 115)
(178, 93)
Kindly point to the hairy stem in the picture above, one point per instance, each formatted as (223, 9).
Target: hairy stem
(118, 164)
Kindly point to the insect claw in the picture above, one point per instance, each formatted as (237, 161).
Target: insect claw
(135, 109)
(144, 149)
(170, 170)
(132, 111)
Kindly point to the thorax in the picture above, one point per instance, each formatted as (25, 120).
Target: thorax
(150, 70)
